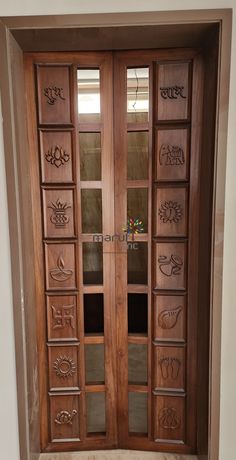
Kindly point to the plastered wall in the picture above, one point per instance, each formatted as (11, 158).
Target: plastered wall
(8, 419)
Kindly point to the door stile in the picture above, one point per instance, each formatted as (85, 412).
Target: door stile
(121, 249)
(193, 257)
(38, 248)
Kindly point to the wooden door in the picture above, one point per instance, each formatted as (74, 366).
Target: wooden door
(115, 202)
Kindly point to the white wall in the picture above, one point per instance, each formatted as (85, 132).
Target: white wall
(9, 448)
(8, 427)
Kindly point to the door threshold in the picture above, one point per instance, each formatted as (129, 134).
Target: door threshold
(117, 454)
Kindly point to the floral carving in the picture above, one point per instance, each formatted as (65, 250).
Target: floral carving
(57, 156)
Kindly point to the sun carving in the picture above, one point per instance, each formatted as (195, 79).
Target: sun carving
(170, 211)
(64, 367)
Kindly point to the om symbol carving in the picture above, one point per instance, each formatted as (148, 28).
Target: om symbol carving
(172, 92)
(52, 93)
(169, 419)
(171, 155)
(170, 265)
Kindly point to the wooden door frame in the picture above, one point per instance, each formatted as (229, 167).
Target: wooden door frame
(14, 41)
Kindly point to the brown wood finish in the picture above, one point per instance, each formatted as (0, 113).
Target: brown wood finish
(170, 237)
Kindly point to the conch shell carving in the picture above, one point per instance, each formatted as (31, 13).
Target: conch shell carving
(167, 319)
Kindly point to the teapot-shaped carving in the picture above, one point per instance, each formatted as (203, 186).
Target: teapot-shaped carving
(60, 273)
(64, 417)
(170, 265)
(167, 319)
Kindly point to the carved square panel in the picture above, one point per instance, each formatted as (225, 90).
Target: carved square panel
(173, 91)
(62, 318)
(58, 211)
(169, 369)
(171, 212)
(172, 154)
(60, 266)
(54, 94)
(169, 317)
(56, 156)
(63, 367)
(64, 417)
(170, 266)
(169, 418)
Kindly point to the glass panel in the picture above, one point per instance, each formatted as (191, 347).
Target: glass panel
(137, 206)
(137, 313)
(137, 95)
(91, 204)
(94, 363)
(138, 412)
(137, 263)
(89, 95)
(90, 156)
(92, 263)
(93, 314)
(137, 167)
(96, 412)
(137, 367)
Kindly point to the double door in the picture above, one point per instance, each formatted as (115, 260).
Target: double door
(115, 151)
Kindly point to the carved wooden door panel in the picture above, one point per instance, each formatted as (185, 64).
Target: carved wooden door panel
(116, 246)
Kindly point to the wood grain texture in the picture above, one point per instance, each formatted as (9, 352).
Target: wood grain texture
(165, 267)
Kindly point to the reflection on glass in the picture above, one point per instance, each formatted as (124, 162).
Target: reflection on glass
(92, 263)
(138, 412)
(137, 167)
(94, 363)
(137, 367)
(89, 95)
(137, 313)
(91, 209)
(137, 95)
(90, 156)
(137, 205)
(96, 412)
(137, 263)
(93, 314)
